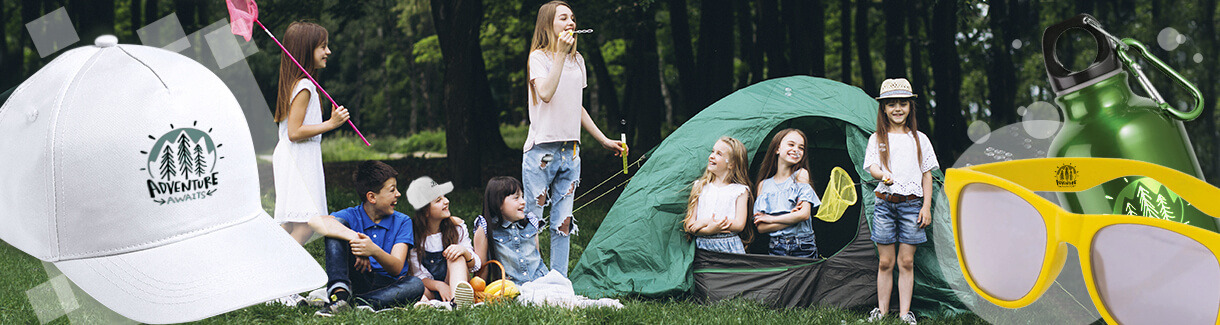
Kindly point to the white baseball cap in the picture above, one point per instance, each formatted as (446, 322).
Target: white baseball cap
(131, 168)
(423, 190)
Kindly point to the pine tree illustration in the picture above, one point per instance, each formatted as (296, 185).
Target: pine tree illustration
(1163, 206)
(184, 155)
(167, 163)
(199, 163)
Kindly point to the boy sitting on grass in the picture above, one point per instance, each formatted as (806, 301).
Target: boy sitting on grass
(367, 245)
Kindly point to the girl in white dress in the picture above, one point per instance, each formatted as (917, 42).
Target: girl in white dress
(300, 186)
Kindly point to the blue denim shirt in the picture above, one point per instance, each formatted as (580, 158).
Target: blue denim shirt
(779, 198)
(516, 248)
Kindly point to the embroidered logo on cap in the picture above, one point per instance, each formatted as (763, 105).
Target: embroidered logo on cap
(181, 165)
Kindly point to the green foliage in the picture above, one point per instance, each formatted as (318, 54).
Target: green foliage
(349, 147)
(514, 134)
(429, 141)
(428, 50)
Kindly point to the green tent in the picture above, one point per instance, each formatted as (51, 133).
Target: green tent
(640, 249)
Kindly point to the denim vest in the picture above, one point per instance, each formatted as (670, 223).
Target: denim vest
(516, 249)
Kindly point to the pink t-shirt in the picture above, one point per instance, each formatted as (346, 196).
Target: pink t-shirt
(558, 120)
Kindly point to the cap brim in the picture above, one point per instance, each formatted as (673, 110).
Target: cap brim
(221, 271)
(897, 96)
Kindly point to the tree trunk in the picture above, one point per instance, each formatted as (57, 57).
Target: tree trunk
(800, 42)
(185, 10)
(684, 58)
(1207, 24)
(30, 10)
(643, 85)
(467, 95)
(715, 57)
(771, 39)
(864, 49)
(947, 70)
(607, 95)
(96, 18)
(136, 19)
(895, 38)
(1002, 74)
(750, 52)
(845, 72)
(8, 59)
(919, 71)
(151, 11)
(817, 33)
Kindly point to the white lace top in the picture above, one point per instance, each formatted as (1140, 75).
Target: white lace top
(907, 170)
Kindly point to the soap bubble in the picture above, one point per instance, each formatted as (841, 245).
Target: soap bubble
(1198, 57)
(978, 131)
(1169, 39)
(1016, 44)
(1042, 120)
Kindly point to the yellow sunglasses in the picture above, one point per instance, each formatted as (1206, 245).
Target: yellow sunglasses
(1011, 243)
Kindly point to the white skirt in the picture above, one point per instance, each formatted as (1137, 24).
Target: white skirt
(300, 184)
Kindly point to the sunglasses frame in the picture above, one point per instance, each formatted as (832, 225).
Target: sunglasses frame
(1020, 177)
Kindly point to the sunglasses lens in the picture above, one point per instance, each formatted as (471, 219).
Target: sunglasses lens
(1003, 240)
(1149, 275)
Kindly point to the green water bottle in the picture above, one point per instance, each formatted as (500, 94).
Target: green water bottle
(1103, 117)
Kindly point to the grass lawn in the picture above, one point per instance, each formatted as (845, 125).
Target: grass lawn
(22, 272)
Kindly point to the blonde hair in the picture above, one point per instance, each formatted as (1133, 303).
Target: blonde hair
(544, 38)
(737, 175)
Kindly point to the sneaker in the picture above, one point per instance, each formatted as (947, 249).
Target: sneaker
(368, 308)
(437, 304)
(333, 308)
(317, 298)
(875, 315)
(463, 294)
(909, 318)
(291, 300)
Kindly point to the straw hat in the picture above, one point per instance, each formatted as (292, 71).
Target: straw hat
(896, 88)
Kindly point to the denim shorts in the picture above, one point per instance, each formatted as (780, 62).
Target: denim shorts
(725, 243)
(902, 215)
(795, 246)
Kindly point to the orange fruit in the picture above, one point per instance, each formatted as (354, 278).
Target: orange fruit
(478, 284)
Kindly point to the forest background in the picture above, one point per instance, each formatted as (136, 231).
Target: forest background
(452, 72)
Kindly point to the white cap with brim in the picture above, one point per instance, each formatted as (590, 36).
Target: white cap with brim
(132, 169)
(423, 190)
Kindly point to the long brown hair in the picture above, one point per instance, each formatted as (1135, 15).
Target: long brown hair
(498, 188)
(300, 40)
(884, 127)
(768, 167)
(449, 233)
(738, 174)
(545, 38)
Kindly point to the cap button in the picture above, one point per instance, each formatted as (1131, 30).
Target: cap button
(106, 41)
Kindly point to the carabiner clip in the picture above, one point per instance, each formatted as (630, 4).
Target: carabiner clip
(1128, 43)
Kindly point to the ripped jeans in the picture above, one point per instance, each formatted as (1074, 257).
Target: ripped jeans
(550, 173)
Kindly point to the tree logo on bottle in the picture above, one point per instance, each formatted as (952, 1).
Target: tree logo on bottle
(181, 165)
(1149, 198)
(1065, 176)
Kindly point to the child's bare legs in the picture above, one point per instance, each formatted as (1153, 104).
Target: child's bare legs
(906, 276)
(299, 231)
(457, 273)
(885, 277)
